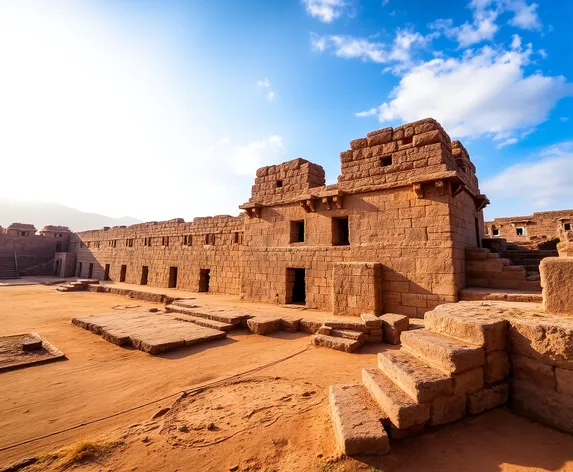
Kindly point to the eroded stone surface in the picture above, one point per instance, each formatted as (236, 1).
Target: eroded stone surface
(488, 398)
(357, 427)
(393, 325)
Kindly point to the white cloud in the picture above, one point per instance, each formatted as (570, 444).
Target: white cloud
(385, 2)
(540, 185)
(399, 52)
(516, 41)
(265, 84)
(484, 25)
(325, 10)
(525, 16)
(371, 112)
(246, 159)
(483, 92)
(564, 119)
(507, 142)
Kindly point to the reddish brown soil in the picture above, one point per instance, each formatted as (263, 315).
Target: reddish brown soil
(270, 419)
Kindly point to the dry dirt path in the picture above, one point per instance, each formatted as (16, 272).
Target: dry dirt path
(287, 430)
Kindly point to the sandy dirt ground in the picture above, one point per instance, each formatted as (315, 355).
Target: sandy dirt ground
(274, 417)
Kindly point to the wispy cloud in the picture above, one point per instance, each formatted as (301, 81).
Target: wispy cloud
(266, 85)
(325, 10)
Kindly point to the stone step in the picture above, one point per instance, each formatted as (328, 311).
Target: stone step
(348, 334)
(357, 425)
(448, 355)
(396, 405)
(339, 344)
(420, 381)
(353, 325)
(224, 317)
(468, 326)
(206, 323)
(496, 294)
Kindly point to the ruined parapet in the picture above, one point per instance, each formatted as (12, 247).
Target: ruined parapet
(286, 180)
(21, 229)
(397, 155)
(465, 166)
(538, 228)
(52, 231)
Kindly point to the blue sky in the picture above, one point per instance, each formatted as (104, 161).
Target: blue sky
(162, 109)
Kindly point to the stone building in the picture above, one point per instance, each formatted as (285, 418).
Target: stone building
(543, 226)
(389, 236)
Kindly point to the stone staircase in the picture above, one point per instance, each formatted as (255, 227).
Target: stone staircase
(440, 374)
(349, 335)
(489, 269)
(8, 268)
(530, 258)
(77, 286)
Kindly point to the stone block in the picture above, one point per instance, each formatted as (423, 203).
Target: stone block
(487, 398)
(468, 382)
(31, 345)
(417, 379)
(496, 366)
(556, 275)
(533, 371)
(338, 344)
(264, 326)
(357, 427)
(447, 409)
(396, 405)
(446, 354)
(551, 408)
(564, 379)
(547, 339)
(371, 320)
(393, 325)
(290, 324)
(326, 330)
(372, 338)
(310, 326)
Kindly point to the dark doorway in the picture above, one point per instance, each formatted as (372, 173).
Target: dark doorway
(106, 272)
(90, 270)
(172, 277)
(79, 269)
(59, 246)
(204, 279)
(57, 268)
(478, 239)
(296, 286)
(123, 273)
(144, 275)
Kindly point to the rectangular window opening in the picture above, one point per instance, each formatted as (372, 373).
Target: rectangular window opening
(567, 226)
(297, 231)
(407, 140)
(386, 161)
(165, 241)
(495, 232)
(279, 183)
(520, 231)
(340, 232)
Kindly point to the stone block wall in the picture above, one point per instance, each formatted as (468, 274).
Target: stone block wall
(557, 282)
(538, 227)
(212, 243)
(356, 288)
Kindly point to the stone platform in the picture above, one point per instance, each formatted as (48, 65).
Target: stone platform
(148, 332)
(25, 350)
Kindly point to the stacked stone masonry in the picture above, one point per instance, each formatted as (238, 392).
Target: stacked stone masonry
(407, 203)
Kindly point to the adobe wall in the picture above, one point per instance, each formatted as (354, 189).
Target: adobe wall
(407, 197)
(223, 258)
(547, 225)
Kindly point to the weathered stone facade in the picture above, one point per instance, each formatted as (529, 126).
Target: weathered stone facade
(405, 207)
(536, 228)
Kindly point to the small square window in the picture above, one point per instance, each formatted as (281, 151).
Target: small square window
(495, 232)
(340, 233)
(386, 161)
(279, 183)
(297, 231)
(520, 231)
(165, 241)
(567, 226)
(407, 140)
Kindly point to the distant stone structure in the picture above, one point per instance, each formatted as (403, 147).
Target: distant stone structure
(26, 251)
(538, 228)
(388, 237)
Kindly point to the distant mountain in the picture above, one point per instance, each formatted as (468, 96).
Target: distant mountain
(41, 214)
